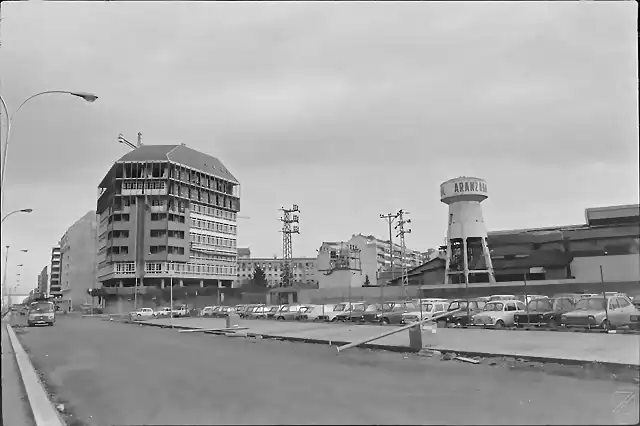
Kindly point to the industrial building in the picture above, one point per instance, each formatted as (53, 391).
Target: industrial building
(78, 262)
(304, 269)
(568, 258)
(167, 213)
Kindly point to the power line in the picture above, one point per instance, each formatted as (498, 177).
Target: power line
(287, 219)
(402, 231)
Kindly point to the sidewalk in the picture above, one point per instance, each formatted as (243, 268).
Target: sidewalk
(15, 405)
(576, 347)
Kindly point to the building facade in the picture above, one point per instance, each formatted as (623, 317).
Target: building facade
(367, 260)
(167, 212)
(304, 270)
(55, 290)
(78, 261)
(43, 281)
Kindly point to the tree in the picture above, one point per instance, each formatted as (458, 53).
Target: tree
(259, 278)
(367, 283)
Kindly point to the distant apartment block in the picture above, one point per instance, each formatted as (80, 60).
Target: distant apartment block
(78, 261)
(304, 269)
(43, 281)
(55, 290)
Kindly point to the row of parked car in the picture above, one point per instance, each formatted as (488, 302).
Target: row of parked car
(608, 311)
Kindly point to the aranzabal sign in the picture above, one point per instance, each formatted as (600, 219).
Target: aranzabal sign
(470, 186)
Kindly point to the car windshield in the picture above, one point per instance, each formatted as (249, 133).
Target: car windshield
(339, 308)
(493, 306)
(457, 305)
(591, 304)
(274, 309)
(373, 308)
(304, 309)
(42, 307)
(426, 306)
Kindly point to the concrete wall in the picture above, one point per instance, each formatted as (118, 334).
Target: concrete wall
(614, 268)
(369, 294)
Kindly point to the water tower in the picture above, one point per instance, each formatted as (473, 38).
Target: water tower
(468, 258)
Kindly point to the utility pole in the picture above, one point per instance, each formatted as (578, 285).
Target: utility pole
(287, 219)
(4, 277)
(390, 218)
(403, 247)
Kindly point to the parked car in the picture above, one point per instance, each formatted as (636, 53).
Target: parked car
(356, 310)
(337, 310)
(394, 316)
(545, 312)
(181, 311)
(636, 301)
(372, 313)
(424, 310)
(41, 312)
(607, 312)
(165, 311)
(529, 297)
(240, 308)
(224, 311)
(459, 312)
(502, 297)
(315, 312)
(288, 312)
(247, 310)
(141, 314)
(207, 311)
(498, 314)
(267, 312)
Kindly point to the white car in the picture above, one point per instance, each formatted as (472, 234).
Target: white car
(162, 312)
(337, 310)
(427, 309)
(498, 314)
(140, 314)
(207, 311)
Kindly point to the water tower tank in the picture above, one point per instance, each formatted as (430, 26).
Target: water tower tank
(468, 258)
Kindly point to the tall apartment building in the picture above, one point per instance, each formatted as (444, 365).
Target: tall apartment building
(304, 269)
(43, 281)
(55, 290)
(167, 211)
(77, 260)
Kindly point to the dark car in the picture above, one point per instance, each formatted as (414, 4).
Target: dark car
(394, 315)
(460, 311)
(545, 312)
(353, 314)
(374, 312)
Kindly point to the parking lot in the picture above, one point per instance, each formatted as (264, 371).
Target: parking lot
(107, 372)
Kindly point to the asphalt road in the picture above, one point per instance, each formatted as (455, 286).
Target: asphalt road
(112, 373)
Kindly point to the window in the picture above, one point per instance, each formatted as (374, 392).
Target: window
(124, 250)
(511, 307)
(613, 304)
(153, 249)
(158, 216)
(623, 302)
(155, 233)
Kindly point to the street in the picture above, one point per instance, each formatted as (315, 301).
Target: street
(113, 373)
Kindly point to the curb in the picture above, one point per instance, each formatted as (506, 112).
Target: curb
(42, 408)
(546, 360)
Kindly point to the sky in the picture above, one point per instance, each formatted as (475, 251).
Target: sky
(347, 109)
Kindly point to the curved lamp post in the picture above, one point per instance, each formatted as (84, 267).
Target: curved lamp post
(15, 211)
(89, 97)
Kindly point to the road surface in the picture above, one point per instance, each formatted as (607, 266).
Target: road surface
(114, 373)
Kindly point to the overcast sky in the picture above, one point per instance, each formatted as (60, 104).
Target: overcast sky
(347, 109)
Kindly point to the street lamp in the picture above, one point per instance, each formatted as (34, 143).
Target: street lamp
(89, 97)
(15, 211)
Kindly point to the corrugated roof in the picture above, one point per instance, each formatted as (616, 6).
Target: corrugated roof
(181, 154)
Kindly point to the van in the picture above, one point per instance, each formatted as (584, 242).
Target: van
(42, 313)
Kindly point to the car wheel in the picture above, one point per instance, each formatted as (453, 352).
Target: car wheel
(139, 315)
(499, 324)
(334, 319)
(553, 324)
(385, 321)
(606, 325)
